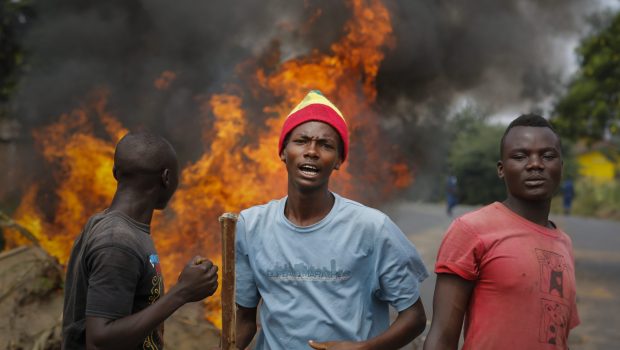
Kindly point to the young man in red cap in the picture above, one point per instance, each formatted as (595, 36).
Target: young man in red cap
(506, 269)
(325, 267)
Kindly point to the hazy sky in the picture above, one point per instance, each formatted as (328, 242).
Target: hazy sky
(566, 61)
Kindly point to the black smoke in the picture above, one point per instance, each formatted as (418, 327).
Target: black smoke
(496, 53)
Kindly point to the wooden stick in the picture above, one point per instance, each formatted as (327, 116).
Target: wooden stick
(228, 222)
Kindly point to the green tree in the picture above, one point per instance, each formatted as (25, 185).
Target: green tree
(590, 107)
(473, 158)
(14, 17)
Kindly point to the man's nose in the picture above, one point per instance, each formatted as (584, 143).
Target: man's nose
(311, 149)
(535, 162)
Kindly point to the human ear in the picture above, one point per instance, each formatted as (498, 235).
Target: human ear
(338, 164)
(500, 169)
(282, 156)
(165, 177)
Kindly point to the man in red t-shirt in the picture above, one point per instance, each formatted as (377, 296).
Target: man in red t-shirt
(506, 269)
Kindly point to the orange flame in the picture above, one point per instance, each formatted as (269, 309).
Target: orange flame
(83, 178)
(164, 81)
(239, 167)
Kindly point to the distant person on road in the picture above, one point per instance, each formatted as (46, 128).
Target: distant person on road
(451, 194)
(114, 291)
(326, 268)
(568, 193)
(506, 269)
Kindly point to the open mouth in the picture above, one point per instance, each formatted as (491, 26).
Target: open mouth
(309, 170)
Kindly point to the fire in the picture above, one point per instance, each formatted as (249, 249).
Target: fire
(82, 177)
(165, 79)
(239, 167)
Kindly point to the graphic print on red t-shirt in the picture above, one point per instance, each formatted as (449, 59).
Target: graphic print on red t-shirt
(555, 313)
(552, 267)
(554, 323)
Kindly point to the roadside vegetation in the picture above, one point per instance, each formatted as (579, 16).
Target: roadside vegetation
(588, 112)
(599, 200)
(473, 155)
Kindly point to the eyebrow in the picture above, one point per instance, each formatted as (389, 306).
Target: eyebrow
(527, 150)
(319, 138)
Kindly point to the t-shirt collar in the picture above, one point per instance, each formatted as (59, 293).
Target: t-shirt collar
(139, 225)
(316, 226)
(545, 230)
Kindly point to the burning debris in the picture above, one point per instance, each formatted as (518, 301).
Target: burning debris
(228, 131)
(238, 168)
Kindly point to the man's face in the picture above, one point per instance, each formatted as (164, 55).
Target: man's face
(311, 154)
(531, 163)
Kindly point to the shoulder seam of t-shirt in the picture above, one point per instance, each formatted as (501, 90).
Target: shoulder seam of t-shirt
(472, 232)
(120, 247)
(358, 204)
(91, 228)
(90, 224)
(556, 233)
(107, 219)
(253, 210)
(383, 232)
(263, 205)
(125, 219)
(106, 239)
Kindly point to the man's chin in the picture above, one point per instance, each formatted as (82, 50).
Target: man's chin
(310, 186)
(537, 197)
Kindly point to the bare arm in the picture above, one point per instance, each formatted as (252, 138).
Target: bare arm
(246, 326)
(408, 325)
(451, 299)
(196, 282)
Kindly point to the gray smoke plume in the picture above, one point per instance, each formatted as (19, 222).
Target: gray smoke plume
(496, 53)
(77, 46)
(503, 58)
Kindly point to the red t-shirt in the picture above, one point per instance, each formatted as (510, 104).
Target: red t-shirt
(524, 294)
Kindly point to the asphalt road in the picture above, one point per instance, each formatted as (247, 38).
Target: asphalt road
(596, 245)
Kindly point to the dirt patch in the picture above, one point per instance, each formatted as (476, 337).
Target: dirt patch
(31, 298)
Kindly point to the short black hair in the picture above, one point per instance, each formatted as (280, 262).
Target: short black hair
(529, 119)
(143, 152)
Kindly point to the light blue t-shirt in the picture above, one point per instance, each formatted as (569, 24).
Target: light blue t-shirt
(332, 280)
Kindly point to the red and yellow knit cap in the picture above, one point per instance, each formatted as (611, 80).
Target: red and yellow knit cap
(316, 107)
